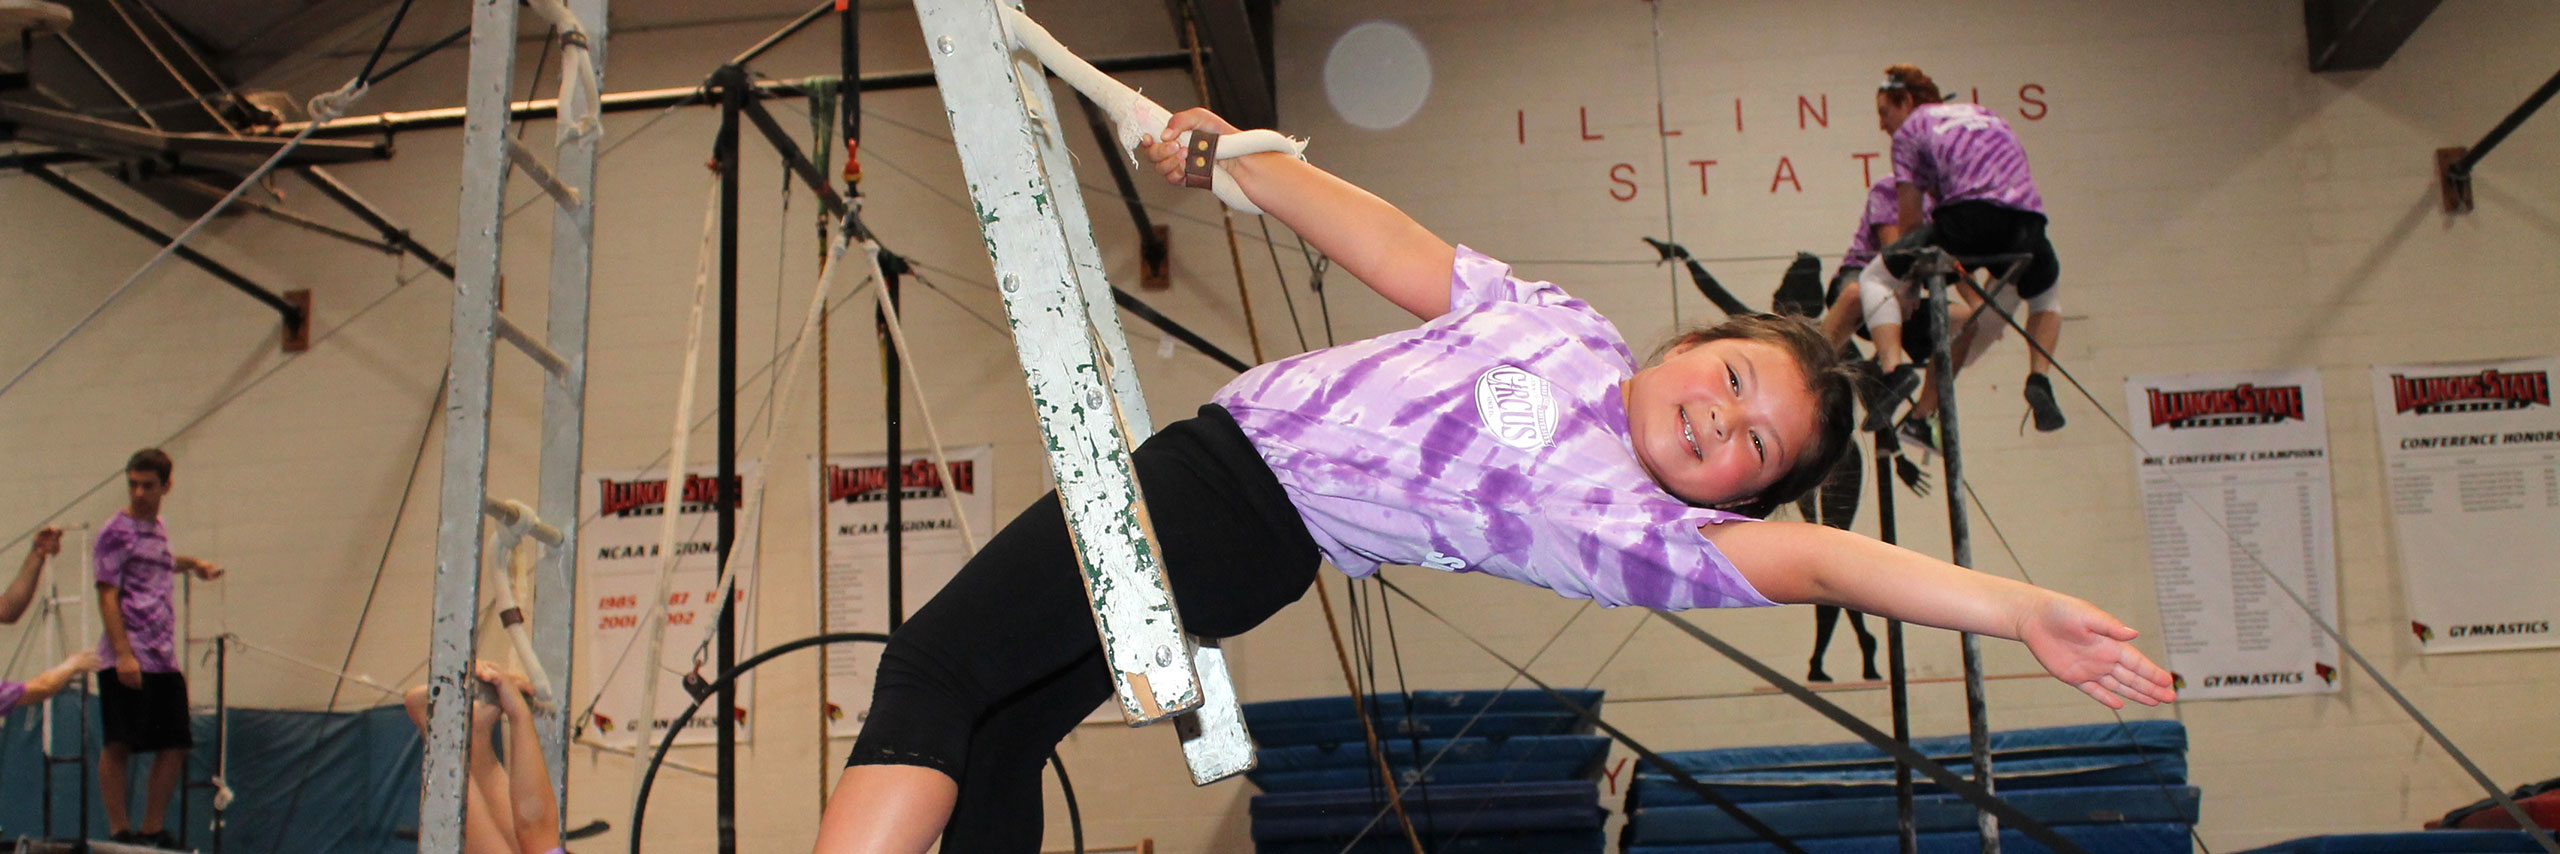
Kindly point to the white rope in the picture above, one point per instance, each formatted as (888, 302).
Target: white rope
(941, 459)
(655, 614)
(514, 587)
(358, 678)
(323, 107)
(783, 396)
(580, 98)
(1135, 115)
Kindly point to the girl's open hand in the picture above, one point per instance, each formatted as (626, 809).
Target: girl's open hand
(1164, 150)
(2093, 651)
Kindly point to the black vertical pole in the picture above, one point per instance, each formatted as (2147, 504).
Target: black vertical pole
(733, 96)
(221, 728)
(891, 404)
(1906, 825)
(1959, 532)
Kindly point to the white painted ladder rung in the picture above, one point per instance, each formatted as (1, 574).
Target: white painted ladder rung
(533, 167)
(508, 513)
(535, 350)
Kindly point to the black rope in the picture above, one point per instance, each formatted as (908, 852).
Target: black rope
(640, 806)
(366, 76)
(398, 512)
(1075, 817)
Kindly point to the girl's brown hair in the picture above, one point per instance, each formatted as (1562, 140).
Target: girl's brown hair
(1908, 83)
(1831, 378)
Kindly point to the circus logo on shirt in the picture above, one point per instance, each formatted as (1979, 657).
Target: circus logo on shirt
(2486, 391)
(1517, 406)
(2225, 407)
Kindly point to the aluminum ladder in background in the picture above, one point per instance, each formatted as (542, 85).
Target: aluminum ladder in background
(487, 157)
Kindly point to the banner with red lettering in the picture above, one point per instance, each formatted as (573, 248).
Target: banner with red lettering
(2234, 472)
(2472, 451)
(620, 559)
(854, 492)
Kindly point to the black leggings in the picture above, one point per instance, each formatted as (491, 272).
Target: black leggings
(986, 679)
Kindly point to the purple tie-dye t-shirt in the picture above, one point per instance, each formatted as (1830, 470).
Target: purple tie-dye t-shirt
(134, 556)
(1490, 439)
(1962, 152)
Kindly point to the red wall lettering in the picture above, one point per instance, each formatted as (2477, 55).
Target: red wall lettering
(1702, 174)
(1866, 168)
(1786, 175)
(2040, 108)
(1586, 124)
(1658, 121)
(1805, 109)
(1737, 115)
(1977, 96)
(1612, 774)
(1624, 180)
(1524, 136)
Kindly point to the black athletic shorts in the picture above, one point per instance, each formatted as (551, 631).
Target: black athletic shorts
(146, 719)
(1975, 228)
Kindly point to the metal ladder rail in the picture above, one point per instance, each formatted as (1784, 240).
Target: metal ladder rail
(477, 326)
(1078, 366)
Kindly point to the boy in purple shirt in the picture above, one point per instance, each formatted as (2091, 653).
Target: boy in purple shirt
(1513, 433)
(1969, 161)
(144, 706)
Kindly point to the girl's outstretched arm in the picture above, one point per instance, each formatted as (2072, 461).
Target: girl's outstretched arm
(1796, 562)
(1362, 233)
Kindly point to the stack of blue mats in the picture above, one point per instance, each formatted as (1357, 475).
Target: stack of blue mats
(2104, 787)
(2418, 842)
(1517, 773)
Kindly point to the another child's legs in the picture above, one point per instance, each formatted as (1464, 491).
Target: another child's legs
(114, 788)
(528, 780)
(168, 767)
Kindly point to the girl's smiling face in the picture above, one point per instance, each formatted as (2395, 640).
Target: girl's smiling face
(1718, 422)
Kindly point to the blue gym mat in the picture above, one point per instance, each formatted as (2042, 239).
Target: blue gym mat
(1661, 825)
(1445, 809)
(1275, 712)
(1389, 839)
(2100, 839)
(1526, 758)
(2416, 842)
(2047, 758)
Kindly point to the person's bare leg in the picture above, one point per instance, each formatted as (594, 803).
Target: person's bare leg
(1888, 338)
(2044, 328)
(114, 788)
(480, 834)
(886, 809)
(168, 767)
(1842, 318)
(537, 812)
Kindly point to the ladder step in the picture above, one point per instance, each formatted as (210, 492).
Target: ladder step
(533, 349)
(564, 194)
(508, 514)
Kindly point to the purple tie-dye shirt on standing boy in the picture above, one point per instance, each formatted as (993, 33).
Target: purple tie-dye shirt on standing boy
(1490, 439)
(1961, 153)
(134, 557)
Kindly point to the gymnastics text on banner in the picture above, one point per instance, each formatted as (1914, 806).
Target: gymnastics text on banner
(621, 570)
(2472, 455)
(853, 490)
(2234, 473)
